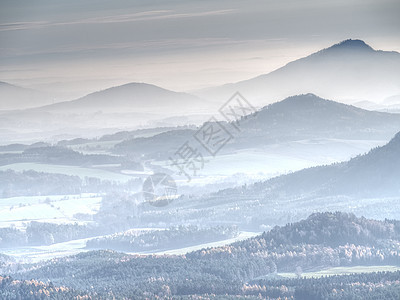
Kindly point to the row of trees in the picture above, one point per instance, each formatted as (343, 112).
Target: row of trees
(32, 183)
(38, 233)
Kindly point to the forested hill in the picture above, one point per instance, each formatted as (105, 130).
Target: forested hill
(33, 289)
(323, 240)
(334, 229)
(324, 229)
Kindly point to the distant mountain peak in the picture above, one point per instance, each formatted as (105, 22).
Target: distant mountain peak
(299, 107)
(131, 85)
(138, 84)
(130, 97)
(306, 99)
(350, 45)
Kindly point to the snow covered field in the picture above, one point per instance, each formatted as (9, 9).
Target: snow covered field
(17, 211)
(56, 209)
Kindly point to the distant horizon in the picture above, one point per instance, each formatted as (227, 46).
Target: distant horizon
(78, 47)
(103, 88)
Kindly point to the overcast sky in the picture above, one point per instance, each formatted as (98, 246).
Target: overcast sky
(76, 47)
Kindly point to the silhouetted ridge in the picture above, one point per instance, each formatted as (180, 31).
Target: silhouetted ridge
(309, 103)
(306, 99)
(352, 44)
(128, 97)
(349, 45)
(133, 86)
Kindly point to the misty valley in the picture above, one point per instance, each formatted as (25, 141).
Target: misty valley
(284, 185)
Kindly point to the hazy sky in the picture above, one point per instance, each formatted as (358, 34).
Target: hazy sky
(76, 47)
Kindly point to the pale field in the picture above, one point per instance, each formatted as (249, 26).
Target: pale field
(342, 271)
(68, 170)
(16, 211)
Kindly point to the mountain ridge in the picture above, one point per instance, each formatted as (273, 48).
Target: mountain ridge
(17, 97)
(115, 98)
(348, 71)
(373, 174)
(295, 118)
(303, 116)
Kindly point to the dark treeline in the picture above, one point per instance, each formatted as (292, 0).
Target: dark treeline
(40, 233)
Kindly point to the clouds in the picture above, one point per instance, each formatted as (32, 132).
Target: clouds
(110, 19)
